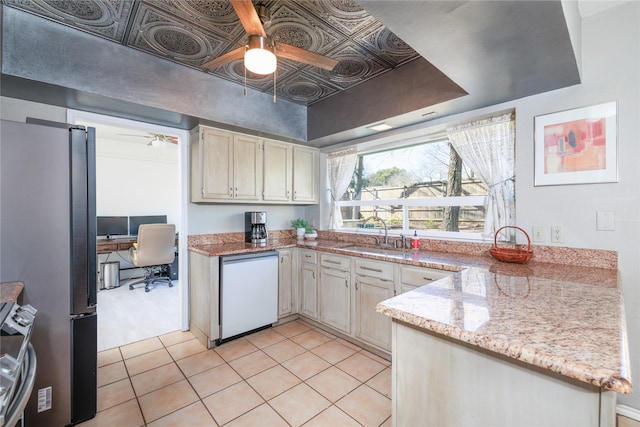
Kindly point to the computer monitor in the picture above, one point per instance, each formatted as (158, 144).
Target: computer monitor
(112, 226)
(137, 221)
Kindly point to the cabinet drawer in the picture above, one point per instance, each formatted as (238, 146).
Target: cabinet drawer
(107, 247)
(416, 276)
(308, 256)
(377, 269)
(335, 262)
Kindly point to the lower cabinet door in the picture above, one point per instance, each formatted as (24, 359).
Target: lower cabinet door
(309, 290)
(334, 292)
(371, 326)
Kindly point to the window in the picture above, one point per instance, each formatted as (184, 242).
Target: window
(425, 188)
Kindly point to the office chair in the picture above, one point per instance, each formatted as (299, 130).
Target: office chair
(153, 251)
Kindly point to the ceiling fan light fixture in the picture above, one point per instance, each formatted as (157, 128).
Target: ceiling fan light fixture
(259, 57)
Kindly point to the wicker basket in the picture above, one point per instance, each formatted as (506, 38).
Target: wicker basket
(517, 255)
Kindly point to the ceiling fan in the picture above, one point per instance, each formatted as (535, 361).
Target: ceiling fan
(156, 139)
(261, 51)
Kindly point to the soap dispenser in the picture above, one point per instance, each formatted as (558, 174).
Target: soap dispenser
(415, 242)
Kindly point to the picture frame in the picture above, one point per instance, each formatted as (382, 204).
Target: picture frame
(577, 146)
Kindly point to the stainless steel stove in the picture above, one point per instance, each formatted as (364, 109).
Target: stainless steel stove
(17, 360)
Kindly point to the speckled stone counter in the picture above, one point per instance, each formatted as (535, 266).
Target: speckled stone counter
(564, 318)
(10, 291)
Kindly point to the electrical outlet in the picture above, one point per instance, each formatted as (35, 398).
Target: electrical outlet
(557, 234)
(538, 233)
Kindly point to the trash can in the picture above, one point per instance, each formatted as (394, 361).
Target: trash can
(110, 272)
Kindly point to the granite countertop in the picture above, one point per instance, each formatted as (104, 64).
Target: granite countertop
(10, 291)
(567, 319)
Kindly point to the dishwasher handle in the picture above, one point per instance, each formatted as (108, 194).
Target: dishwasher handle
(232, 259)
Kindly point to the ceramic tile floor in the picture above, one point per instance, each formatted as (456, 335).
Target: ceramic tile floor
(290, 375)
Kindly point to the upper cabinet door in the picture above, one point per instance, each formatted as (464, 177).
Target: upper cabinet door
(247, 165)
(278, 171)
(305, 174)
(217, 156)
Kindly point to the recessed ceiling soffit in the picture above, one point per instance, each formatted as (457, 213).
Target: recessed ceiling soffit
(193, 32)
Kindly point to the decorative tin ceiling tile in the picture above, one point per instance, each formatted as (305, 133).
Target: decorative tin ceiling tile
(105, 18)
(160, 33)
(193, 32)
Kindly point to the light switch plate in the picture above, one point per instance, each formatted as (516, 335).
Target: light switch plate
(538, 233)
(605, 221)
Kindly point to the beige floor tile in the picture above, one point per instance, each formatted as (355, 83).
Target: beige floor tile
(310, 339)
(126, 414)
(366, 405)
(141, 347)
(235, 349)
(382, 382)
(284, 350)
(175, 337)
(195, 415)
(200, 362)
(213, 380)
(325, 333)
(332, 416)
(273, 381)
(348, 344)
(114, 394)
(387, 423)
(166, 400)
(299, 404)
(375, 357)
(333, 383)
(306, 365)
(111, 373)
(108, 357)
(147, 361)
(291, 329)
(232, 402)
(252, 364)
(333, 352)
(155, 379)
(186, 349)
(265, 338)
(263, 415)
(360, 367)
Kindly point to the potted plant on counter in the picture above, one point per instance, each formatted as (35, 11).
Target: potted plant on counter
(301, 226)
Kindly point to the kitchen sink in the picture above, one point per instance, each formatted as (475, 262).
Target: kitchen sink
(376, 251)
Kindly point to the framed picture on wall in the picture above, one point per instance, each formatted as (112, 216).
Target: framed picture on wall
(577, 146)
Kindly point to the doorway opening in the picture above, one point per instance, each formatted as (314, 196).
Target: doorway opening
(141, 172)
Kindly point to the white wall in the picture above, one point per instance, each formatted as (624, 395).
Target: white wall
(610, 72)
(206, 219)
(134, 179)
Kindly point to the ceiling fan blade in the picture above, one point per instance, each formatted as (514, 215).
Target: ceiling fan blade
(287, 51)
(248, 16)
(225, 59)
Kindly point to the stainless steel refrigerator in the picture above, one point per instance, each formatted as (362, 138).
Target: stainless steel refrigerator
(48, 241)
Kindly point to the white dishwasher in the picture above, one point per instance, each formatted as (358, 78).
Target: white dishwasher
(248, 292)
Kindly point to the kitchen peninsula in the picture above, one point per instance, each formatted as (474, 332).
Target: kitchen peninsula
(492, 343)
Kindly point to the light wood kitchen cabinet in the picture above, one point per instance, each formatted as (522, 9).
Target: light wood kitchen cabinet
(204, 291)
(373, 284)
(308, 283)
(414, 277)
(278, 173)
(225, 166)
(287, 286)
(334, 292)
(305, 174)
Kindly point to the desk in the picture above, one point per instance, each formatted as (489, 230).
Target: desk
(105, 246)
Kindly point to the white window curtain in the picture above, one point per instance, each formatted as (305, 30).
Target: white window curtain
(340, 167)
(488, 148)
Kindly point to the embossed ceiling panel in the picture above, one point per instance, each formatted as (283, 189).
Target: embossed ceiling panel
(193, 32)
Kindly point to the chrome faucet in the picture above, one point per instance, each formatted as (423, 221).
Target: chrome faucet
(402, 240)
(386, 230)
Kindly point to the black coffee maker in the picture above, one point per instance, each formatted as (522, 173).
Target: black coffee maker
(256, 227)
